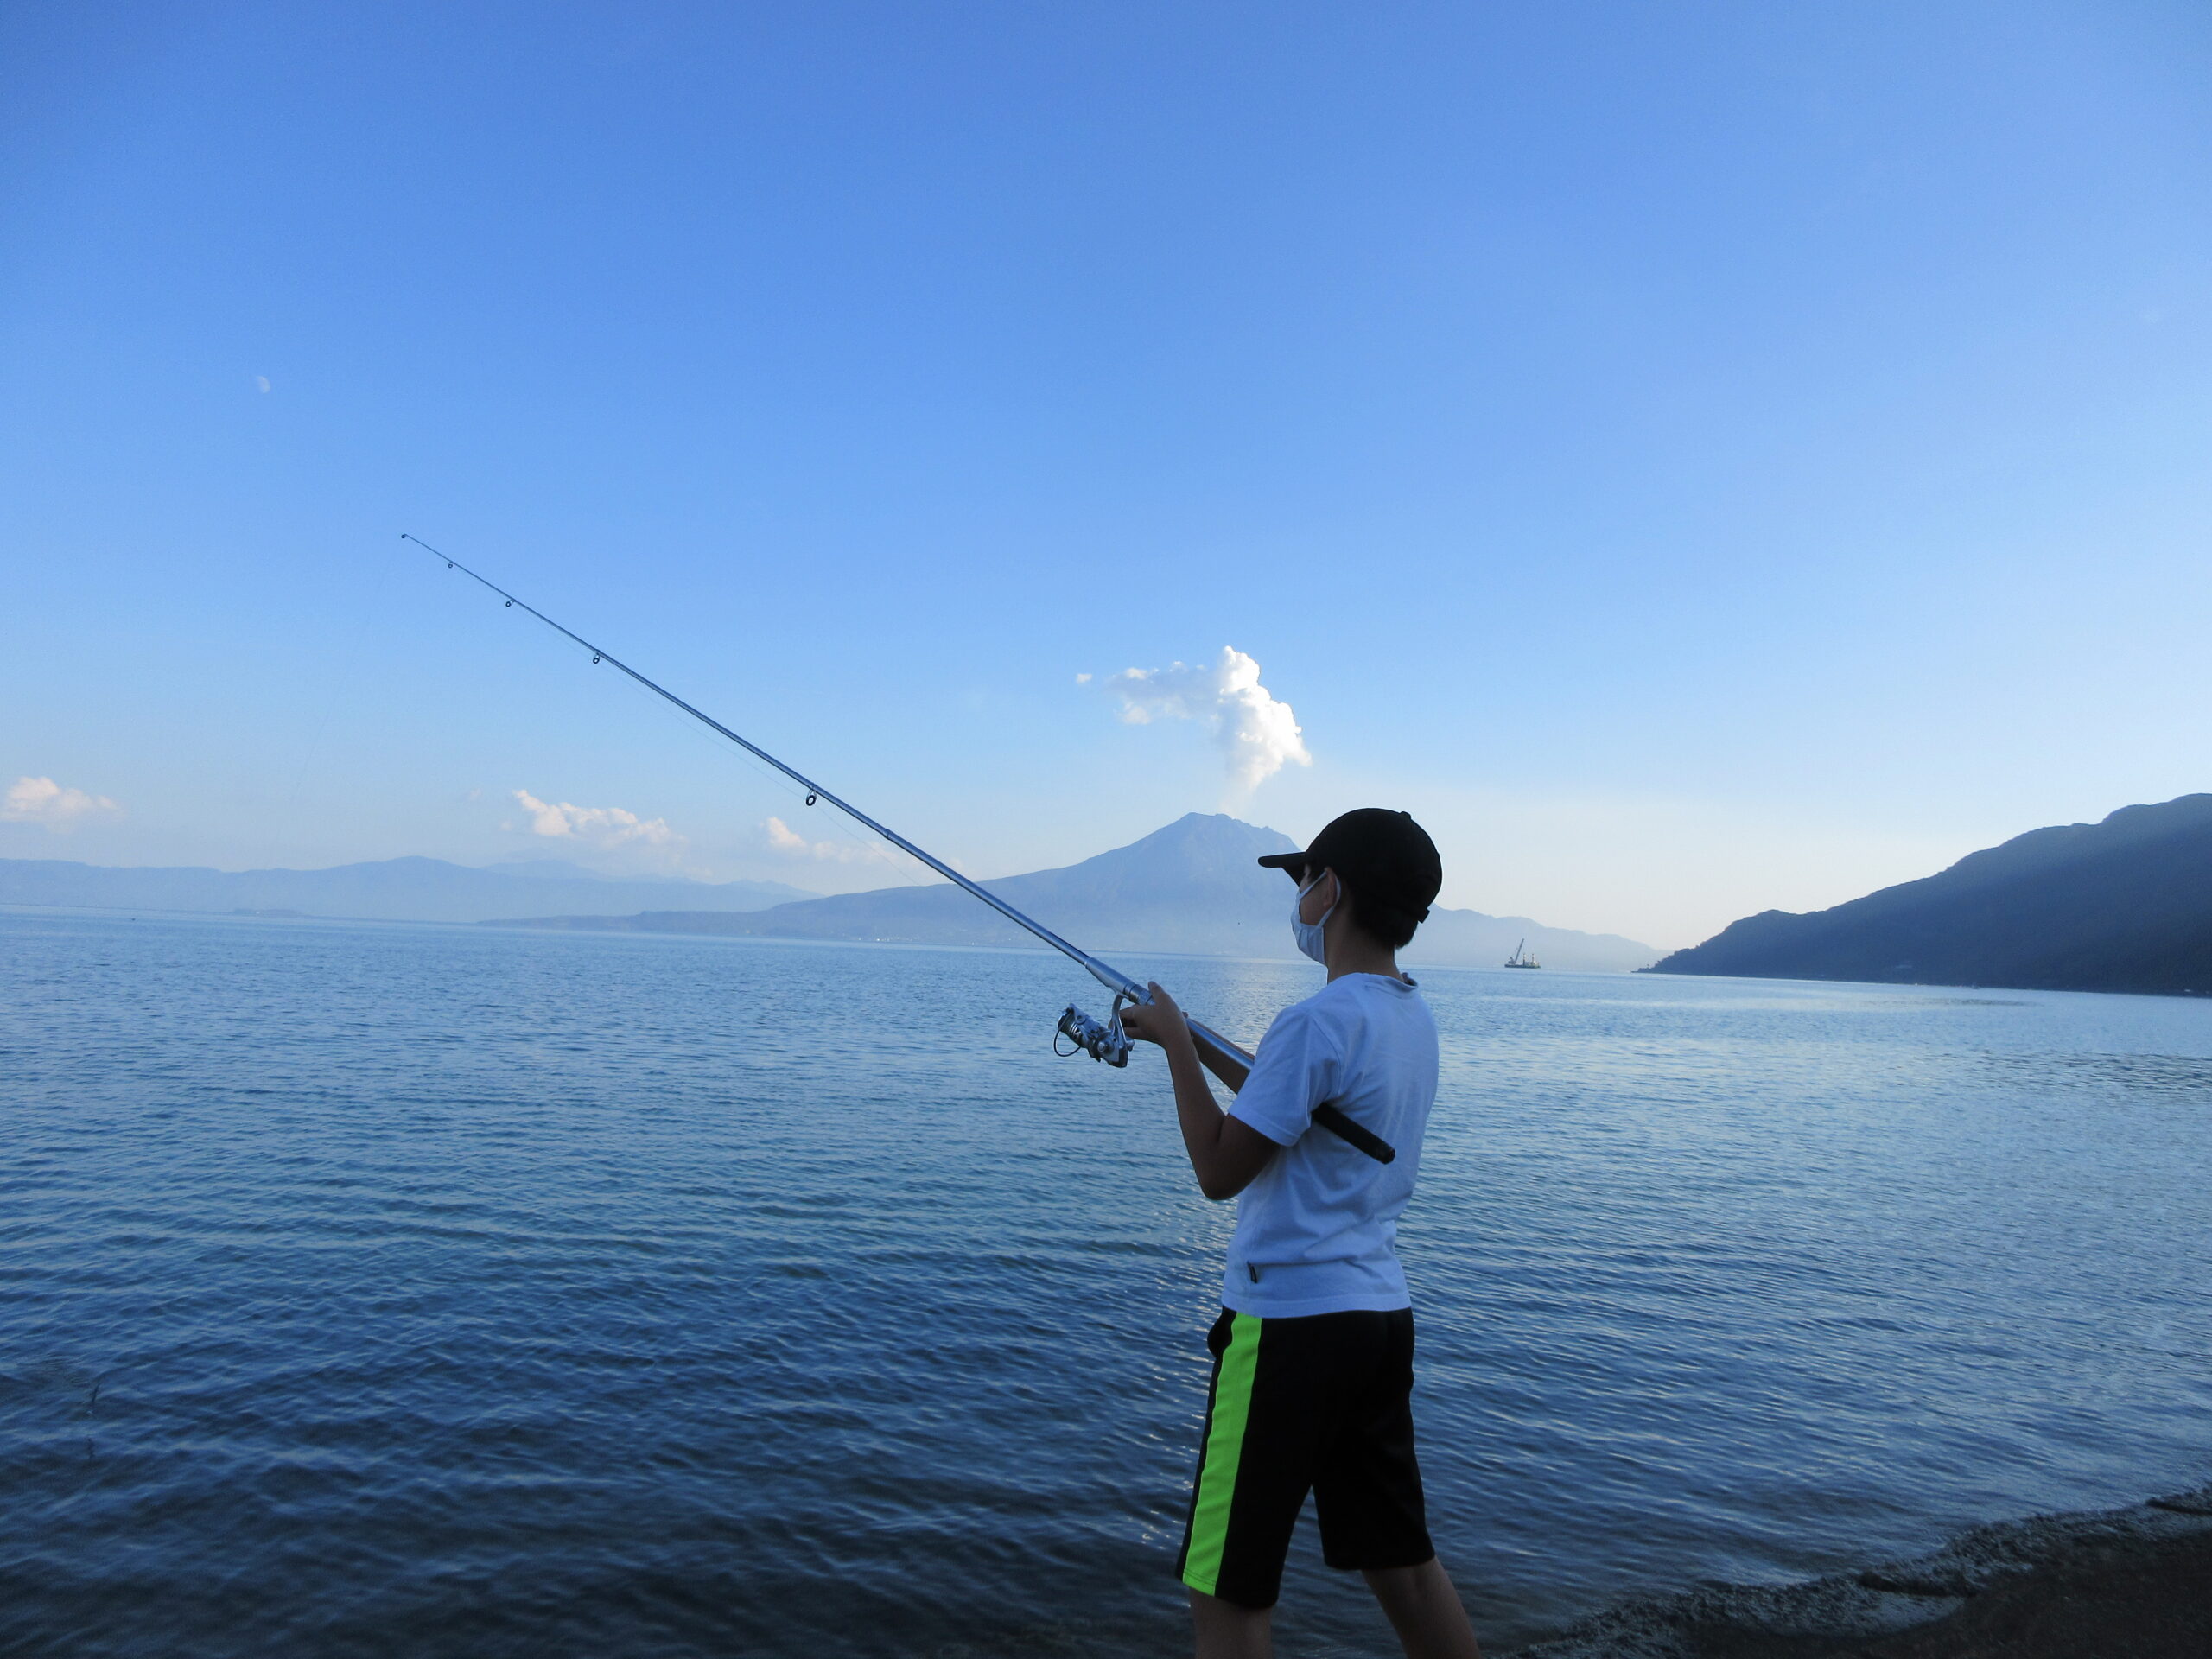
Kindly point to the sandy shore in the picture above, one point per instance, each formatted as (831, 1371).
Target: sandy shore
(2116, 1584)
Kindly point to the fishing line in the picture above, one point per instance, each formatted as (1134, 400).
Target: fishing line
(1112, 978)
(1106, 1042)
(857, 851)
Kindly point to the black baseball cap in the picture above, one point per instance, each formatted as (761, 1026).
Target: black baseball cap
(1378, 853)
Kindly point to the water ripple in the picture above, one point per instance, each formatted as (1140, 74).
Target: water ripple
(455, 1292)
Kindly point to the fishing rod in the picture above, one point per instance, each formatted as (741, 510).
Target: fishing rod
(1106, 1042)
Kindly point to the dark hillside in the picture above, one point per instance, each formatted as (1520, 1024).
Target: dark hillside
(2122, 905)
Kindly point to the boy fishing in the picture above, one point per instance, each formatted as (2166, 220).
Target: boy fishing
(1313, 1354)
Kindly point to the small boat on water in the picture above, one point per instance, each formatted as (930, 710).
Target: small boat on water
(1520, 958)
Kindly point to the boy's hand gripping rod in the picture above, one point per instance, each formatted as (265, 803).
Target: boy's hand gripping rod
(1105, 1042)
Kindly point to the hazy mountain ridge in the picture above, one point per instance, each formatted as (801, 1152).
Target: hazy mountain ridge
(1192, 888)
(397, 889)
(2123, 905)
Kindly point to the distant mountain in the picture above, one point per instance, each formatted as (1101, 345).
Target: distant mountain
(398, 889)
(1192, 888)
(2122, 905)
(560, 869)
(1467, 938)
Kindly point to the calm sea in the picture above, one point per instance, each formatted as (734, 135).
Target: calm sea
(446, 1291)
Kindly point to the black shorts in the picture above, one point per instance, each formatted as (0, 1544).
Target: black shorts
(1321, 1404)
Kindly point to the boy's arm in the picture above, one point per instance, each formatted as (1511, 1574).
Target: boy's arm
(1225, 1151)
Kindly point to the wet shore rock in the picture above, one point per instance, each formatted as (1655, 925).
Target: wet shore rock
(2124, 1584)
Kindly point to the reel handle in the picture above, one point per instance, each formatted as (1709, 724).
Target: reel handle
(1101, 1042)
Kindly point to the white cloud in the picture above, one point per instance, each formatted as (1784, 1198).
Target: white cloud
(41, 800)
(784, 839)
(1256, 731)
(598, 827)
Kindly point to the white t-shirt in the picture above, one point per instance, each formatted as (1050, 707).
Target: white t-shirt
(1317, 1230)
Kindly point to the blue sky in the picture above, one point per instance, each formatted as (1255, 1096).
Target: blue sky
(1698, 458)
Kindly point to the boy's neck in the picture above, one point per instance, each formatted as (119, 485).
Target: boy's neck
(1355, 953)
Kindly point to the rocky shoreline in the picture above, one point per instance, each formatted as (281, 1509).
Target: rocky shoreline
(2134, 1582)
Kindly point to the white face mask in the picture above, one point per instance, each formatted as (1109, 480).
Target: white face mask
(1308, 934)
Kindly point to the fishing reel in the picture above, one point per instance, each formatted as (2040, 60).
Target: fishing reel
(1108, 1042)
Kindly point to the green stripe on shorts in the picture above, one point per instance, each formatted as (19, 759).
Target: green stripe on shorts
(1224, 1449)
